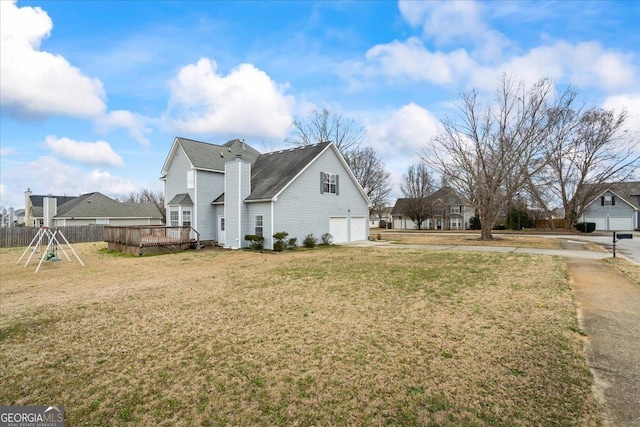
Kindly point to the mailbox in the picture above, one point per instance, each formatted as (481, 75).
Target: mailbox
(624, 236)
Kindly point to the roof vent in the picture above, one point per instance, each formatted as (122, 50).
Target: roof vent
(238, 156)
(222, 154)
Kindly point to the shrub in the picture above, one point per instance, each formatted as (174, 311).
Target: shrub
(474, 223)
(281, 241)
(586, 227)
(292, 243)
(310, 241)
(256, 242)
(327, 239)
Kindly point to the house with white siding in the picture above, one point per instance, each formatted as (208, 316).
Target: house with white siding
(444, 209)
(616, 207)
(228, 191)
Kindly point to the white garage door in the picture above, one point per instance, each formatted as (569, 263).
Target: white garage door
(338, 229)
(358, 228)
(624, 224)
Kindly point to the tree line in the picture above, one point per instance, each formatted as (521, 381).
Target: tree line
(535, 141)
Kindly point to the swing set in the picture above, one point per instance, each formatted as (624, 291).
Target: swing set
(48, 236)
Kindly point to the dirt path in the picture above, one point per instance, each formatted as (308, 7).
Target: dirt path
(609, 313)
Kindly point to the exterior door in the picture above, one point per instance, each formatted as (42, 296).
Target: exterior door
(222, 235)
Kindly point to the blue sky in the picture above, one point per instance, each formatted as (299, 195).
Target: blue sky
(93, 92)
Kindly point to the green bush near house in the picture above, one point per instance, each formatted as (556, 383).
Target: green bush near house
(256, 242)
(586, 227)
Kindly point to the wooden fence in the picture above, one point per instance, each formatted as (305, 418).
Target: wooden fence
(22, 236)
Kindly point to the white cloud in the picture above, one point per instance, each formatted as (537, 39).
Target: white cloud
(246, 102)
(99, 152)
(585, 64)
(135, 123)
(399, 136)
(453, 23)
(49, 175)
(629, 102)
(413, 59)
(37, 83)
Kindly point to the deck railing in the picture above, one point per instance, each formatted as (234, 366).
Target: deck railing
(147, 235)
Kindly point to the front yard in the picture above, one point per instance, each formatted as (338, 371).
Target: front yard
(333, 336)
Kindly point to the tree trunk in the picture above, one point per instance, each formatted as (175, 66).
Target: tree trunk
(485, 230)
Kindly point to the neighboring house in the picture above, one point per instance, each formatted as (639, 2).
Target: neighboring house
(615, 208)
(378, 215)
(19, 216)
(446, 210)
(91, 208)
(228, 191)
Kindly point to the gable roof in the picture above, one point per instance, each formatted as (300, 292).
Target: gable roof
(401, 206)
(211, 157)
(627, 191)
(97, 205)
(273, 171)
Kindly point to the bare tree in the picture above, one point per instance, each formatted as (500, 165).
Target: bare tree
(585, 151)
(323, 125)
(416, 185)
(147, 195)
(371, 174)
(489, 152)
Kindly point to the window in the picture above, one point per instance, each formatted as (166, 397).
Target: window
(608, 201)
(259, 229)
(173, 217)
(328, 183)
(455, 209)
(455, 223)
(222, 224)
(191, 178)
(186, 218)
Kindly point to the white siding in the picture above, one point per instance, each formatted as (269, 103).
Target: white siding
(610, 217)
(301, 209)
(237, 188)
(264, 209)
(209, 185)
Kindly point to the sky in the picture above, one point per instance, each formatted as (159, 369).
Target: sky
(93, 93)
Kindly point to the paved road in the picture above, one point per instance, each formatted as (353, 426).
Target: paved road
(629, 248)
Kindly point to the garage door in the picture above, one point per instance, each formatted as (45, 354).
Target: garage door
(358, 228)
(621, 224)
(338, 229)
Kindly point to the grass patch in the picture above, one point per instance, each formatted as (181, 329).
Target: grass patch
(453, 239)
(626, 267)
(355, 337)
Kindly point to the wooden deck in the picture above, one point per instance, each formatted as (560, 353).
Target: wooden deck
(145, 239)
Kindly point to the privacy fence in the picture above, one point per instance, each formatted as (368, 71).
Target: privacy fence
(22, 236)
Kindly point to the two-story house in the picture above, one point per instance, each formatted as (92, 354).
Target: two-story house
(228, 191)
(445, 209)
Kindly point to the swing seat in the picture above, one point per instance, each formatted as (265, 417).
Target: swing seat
(54, 259)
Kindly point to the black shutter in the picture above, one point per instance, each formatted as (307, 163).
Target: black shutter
(337, 186)
(321, 182)
(602, 201)
(613, 200)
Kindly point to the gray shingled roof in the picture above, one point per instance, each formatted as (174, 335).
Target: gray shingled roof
(447, 194)
(273, 171)
(204, 155)
(181, 199)
(629, 191)
(37, 201)
(97, 205)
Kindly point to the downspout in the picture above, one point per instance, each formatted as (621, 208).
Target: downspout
(272, 224)
(239, 203)
(194, 214)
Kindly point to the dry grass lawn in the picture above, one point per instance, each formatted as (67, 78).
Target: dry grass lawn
(333, 336)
